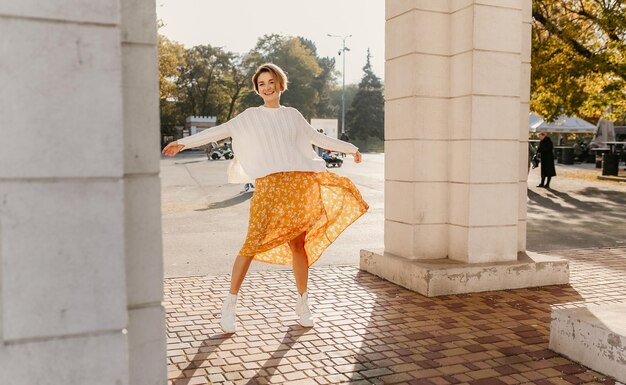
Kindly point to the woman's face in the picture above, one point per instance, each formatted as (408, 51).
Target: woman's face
(268, 88)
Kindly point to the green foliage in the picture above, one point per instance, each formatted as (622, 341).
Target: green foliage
(578, 58)
(171, 60)
(236, 84)
(366, 115)
(369, 144)
(324, 84)
(206, 67)
(334, 97)
(209, 81)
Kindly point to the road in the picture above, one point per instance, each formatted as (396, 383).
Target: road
(205, 218)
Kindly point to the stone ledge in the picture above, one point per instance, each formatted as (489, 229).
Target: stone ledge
(594, 335)
(444, 276)
(613, 178)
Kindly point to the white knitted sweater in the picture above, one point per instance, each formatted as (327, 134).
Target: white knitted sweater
(269, 140)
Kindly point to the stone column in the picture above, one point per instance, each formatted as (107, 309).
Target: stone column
(142, 193)
(80, 277)
(457, 91)
(524, 124)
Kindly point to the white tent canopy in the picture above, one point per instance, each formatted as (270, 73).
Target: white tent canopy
(563, 125)
(606, 132)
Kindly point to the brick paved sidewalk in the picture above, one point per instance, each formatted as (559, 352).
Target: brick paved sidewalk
(370, 331)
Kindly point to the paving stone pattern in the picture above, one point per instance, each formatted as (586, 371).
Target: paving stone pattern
(370, 331)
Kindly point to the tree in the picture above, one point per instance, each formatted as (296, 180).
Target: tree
(171, 58)
(236, 83)
(324, 84)
(579, 58)
(206, 80)
(301, 65)
(335, 98)
(366, 115)
(200, 77)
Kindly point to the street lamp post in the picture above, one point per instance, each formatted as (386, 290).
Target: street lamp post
(343, 76)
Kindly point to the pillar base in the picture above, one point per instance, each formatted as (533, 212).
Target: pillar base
(594, 335)
(436, 277)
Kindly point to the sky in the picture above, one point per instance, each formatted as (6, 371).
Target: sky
(236, 25)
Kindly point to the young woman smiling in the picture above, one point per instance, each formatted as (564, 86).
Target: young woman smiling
(298, 208)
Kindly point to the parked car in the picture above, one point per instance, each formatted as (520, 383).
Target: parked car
(220, 152)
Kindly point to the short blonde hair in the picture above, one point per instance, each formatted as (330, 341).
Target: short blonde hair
(275, 70)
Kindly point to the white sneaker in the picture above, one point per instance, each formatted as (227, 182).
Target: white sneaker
(229, 314)
(303, 311)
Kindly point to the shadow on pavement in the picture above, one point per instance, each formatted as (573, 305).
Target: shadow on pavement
(268, 369)
(608, 195)
(370, 331)
(599, 202)
(191, 161)
(478, 338)
(585, 218)
(200, 359)
(238, 199)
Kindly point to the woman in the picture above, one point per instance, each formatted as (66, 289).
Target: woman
(298, 208)
(546, 155)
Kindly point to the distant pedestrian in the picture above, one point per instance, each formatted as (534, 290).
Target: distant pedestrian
(345, 138)
(298, 208)
(546, 156)
(578, 151)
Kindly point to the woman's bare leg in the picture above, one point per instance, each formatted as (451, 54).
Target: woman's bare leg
(301, 273)
(300, 263)
(229, 308)
(240, 269)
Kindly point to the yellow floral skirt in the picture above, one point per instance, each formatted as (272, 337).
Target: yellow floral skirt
(287, 204)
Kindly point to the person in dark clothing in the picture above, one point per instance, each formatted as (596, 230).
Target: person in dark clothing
(345, 138)
(546, 155)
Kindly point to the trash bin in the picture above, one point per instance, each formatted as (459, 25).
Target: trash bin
(610, 163)
(567, 155)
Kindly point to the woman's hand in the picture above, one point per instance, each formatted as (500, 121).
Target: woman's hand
(357, 157)
(172, 149)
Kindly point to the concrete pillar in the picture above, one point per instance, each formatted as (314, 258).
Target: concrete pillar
(144, 264)
(457, 90)
(80, 240)
(523, 127)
